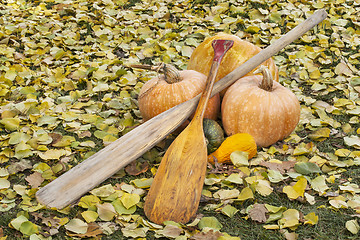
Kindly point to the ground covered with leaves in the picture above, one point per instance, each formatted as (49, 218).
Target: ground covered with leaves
(65, 93)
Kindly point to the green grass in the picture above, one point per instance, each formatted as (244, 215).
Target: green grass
(353, 173)
(331, 223)
(5, 219)
(246, 229)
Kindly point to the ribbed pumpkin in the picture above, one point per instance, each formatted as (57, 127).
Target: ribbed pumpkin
(261, 107)
(172, 88)
(201, 58)
(237, 142)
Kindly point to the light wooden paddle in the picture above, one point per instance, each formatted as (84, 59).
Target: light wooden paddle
(175, 192)
(70, 186)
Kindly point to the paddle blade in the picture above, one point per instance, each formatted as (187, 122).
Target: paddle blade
(175, 192)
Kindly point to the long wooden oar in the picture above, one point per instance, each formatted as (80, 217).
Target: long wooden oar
(90, 173)
(175, 192)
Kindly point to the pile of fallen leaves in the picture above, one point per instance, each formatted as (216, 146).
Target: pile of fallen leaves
(65, 93)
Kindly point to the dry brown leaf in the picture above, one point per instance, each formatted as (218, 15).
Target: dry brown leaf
(258, 213)
(93, 230)
(56, 137)
(84, 134)
(35, 179)
(135, 168)
(210, 235)
(281, 167)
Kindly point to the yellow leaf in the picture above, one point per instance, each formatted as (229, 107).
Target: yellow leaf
(129, 200)
(64, 141)
(274, 209)
(239, 158)
(351, 187)
(320, 134)
(227, 194)
(77, 226)
(28, 228)
(106, 211)
(263, 187)
(225, 236)
(252, 29)
(109, 139)
(186, 51)
(310, 199)
(338, 202)
(4, 183)
(318, 160)
(70, 116)
(318, 184)
(52, 154)
(88, 201)
(302, 148)
(62, 221)
(331, 179)
(234, 178)
(343, 68)
(253, 179)
(11, 124)
(271, 226)
(103, 191)
(246, 193)
(293, 192)
(290, 192)
(300, 186)
(11, 74)
(275, 176)
(352, 141)
(90, 216)
(16, 223)
(18, 137)
(353, 226)
(318, 4)
(354, 204)
(311, 218)
(23, 150)
(290, 219)
(342, 152)
(326, 119)
(120, 209)
(314, 73)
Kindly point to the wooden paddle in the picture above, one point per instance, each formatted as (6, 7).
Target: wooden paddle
(175, 192)
(91, 172)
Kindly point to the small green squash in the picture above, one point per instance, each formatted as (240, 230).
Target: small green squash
(214, 134)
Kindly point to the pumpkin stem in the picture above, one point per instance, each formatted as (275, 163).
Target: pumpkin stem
(170, 73)
(267, 81)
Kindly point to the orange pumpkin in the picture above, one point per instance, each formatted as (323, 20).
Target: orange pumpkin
(172, 88)
(261, 107)
(201, 58)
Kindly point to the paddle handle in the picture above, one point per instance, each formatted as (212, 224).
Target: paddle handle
(269, 51)
(220, 48)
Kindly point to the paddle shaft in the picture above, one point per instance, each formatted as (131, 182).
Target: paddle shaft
(91, 172)
(220, 48)
(175, 192)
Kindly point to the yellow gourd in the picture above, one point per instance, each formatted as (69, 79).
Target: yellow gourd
(237, 142)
